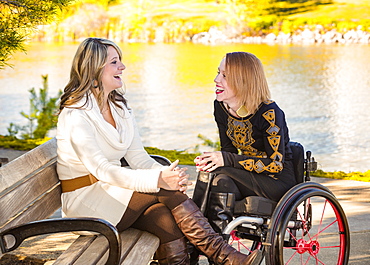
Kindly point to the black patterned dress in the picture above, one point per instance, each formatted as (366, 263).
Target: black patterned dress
(256, 151)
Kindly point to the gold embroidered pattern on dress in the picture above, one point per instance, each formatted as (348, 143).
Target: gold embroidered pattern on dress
(240, 133)
(270, 117)
(248, 164)
(274, 140)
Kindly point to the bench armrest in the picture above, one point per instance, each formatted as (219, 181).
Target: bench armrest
(164, 161)
(11, 238)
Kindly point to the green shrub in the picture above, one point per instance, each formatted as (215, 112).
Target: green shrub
(41, 117)
(12, 142)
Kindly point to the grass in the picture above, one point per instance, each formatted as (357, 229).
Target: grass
(358, 176)
(185, 158)
(11, 142)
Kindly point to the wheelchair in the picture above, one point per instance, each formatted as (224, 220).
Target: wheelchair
(307, 225)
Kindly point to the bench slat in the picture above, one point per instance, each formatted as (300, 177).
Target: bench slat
(14, 199)
(47, 204)
(143, 250)
(128, 238)
(69, 256)
(137, 248)
(94, 253)
(27, 163)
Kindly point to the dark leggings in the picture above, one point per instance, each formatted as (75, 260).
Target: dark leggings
(151, 212)
(244, 183)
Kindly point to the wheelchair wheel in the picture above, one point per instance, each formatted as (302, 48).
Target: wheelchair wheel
(309, 227)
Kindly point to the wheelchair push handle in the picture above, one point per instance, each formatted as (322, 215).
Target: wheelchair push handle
(310, 165)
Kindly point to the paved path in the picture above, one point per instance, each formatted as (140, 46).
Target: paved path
(354, 197)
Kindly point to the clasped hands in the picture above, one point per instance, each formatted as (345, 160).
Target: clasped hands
(209, 161)
(174, 178)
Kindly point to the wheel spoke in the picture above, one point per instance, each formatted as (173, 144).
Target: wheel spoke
(331, 246)
(290, 233)
(241, 244)
(322, 216)
(304, 222)
(290, 259)
(329, 225)
(308, 258)
(317, 259)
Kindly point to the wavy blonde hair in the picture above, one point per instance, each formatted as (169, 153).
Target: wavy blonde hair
(245, 75)
(86, 72)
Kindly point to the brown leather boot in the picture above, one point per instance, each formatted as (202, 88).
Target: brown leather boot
(173, 253)
(200, 233)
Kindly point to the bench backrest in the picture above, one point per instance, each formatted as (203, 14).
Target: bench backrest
(29, 186)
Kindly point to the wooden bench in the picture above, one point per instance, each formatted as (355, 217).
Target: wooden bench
(30, 191)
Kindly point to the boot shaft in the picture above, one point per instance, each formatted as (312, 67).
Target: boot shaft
(200, 233)
(173, 253)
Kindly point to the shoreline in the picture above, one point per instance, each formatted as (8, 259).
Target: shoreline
(304, 36)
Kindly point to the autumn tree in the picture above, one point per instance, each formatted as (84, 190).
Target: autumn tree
(19, 18)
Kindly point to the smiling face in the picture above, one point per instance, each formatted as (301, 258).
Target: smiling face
(223, 91)
(111, 76)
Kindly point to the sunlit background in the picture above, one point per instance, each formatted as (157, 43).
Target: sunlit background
(322, 87)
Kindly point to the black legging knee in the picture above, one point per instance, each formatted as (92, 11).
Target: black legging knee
(223, 183)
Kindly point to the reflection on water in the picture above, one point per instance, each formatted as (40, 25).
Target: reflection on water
(323, 90)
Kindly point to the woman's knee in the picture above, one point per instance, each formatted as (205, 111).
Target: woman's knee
(171, 198)
(223, 183)
(158, 220)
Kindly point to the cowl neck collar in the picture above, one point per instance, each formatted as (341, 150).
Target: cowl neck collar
(119, 138)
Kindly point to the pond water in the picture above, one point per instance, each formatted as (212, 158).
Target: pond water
(323, 90)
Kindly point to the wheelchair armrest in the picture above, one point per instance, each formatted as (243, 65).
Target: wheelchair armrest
(11, 238)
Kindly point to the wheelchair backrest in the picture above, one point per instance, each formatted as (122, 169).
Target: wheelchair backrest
(298, 161)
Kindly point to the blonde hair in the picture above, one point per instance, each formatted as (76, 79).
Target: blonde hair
(245, 75)
(86, 72)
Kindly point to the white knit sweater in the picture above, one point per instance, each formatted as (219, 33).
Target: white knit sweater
(89, 144)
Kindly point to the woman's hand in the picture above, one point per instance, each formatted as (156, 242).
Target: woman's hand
(174, 178)
(209, 161)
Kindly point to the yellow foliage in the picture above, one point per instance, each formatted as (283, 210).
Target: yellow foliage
(358, 176)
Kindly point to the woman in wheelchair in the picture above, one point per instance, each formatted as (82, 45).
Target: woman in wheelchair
(255, 157)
